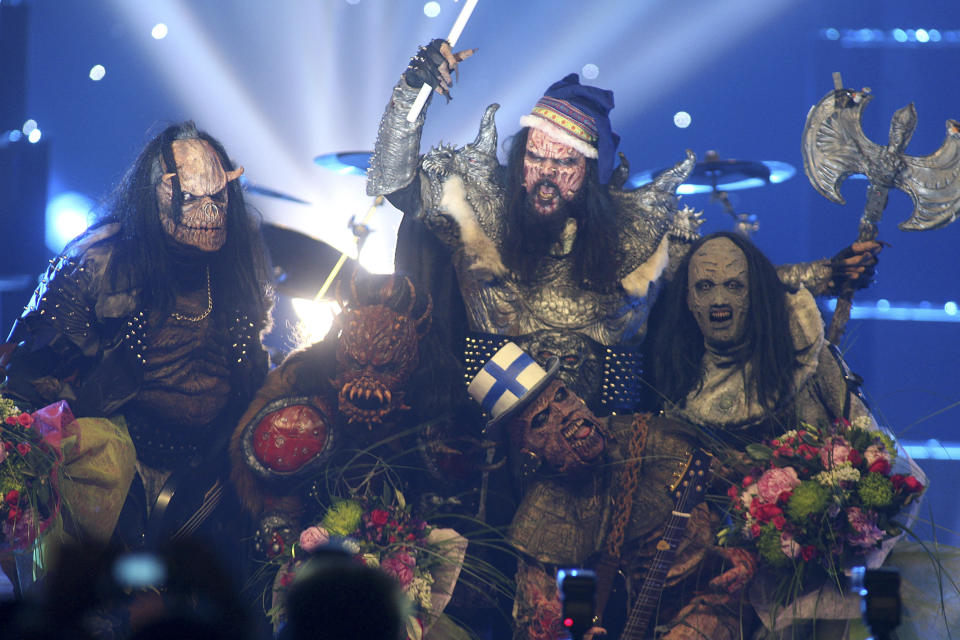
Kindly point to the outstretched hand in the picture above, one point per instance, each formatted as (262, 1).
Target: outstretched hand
(854, 267)
(744, 567)
(433, 65)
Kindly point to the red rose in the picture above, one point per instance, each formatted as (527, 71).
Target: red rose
(379, 517)
(13, 514)
(12, 497)
(784, 497)
(808, 552)
(733, 492)
(747, 481)
(912, 484)
(766, 512)
(755, 530)
(25, 419)
(854, 457)
(881, 466)
(12, 420)
(392, 539)
(23, 448)
(897, 479)
(779, 522)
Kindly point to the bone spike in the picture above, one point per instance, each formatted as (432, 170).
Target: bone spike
(413, 296)
(233, 175)
(486, 140)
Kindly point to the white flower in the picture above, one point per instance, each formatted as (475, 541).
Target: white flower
(371, 560)
(419, 591)
(840, 473)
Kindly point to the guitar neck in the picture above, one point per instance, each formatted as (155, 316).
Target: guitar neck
(649, 595)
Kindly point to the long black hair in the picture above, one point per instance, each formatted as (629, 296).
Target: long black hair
(595, 249)
(675, 345)
(240, 270)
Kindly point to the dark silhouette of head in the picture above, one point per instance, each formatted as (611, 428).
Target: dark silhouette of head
(337, 598)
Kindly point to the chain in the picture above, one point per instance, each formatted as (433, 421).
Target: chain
(629, 481)
(205, 313)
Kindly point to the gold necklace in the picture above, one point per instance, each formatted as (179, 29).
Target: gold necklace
(205, 313)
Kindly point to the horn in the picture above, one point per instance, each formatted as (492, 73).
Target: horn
(413, 296)
(426, 319)
(386, 292)
(167, 177)
(486, 141)
(672, 178)
(233, 175)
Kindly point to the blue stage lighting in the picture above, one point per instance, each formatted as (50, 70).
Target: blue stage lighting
(431, 9)
(682, 119)
(97, 72)
(68, 215)
(34, 136)
(159, 31)
(590, 71)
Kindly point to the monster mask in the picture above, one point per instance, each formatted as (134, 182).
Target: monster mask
(377, 352)
(718, 293)
(558, 428)
(200, 220)
(552, 172)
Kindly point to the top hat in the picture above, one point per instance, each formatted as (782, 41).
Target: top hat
(509, 381)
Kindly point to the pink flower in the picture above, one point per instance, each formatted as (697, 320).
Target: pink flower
(313, 537)
(875, 452)
(835, 452)
(788, 545)
(775, 481)
(864, 524)
(399, 564)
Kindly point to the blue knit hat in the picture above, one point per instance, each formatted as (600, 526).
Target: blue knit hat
(578, 116)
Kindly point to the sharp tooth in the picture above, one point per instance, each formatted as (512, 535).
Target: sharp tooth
(389, 396)
(379, 395)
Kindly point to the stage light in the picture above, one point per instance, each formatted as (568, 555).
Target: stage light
(590, 71)
(431, 9)
(899, 35)
(831, 34)
(883, 304)
(950, 308)
(682, 119)
(934, 35)
(67, 216)
(29, 126)
(922, 35)
(34, 136)
(14, 135)
(316, 318)
(159, 31)
(97, 72)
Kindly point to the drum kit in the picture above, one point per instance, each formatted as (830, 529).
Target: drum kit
(310, 268)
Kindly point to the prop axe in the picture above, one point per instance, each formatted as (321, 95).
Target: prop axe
(835, 147)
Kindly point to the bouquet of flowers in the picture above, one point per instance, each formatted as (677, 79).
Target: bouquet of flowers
(384, 534)
(821, 495)
(29, 461)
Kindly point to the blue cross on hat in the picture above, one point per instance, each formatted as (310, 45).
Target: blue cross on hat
(508, 381)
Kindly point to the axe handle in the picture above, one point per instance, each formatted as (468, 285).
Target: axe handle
(872, 212)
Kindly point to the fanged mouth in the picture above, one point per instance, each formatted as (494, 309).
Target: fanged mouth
(721, 314)
(367, 401)
(547, 193)
(583, 437)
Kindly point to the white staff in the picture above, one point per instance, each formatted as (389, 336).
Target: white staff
(452, 38)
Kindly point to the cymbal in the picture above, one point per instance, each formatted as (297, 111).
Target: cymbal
(354, 163)
(715, 174)
(303, 263)
(249, 187)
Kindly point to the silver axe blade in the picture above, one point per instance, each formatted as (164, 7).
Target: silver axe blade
(834, 147)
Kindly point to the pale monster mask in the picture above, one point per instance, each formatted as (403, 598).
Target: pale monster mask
(718, 293)
(202, 223)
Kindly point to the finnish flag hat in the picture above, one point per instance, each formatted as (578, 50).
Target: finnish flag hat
(508, 381)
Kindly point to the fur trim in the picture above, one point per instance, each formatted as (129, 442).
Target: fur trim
(637, 282)
(559, 134)
(476, 243)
